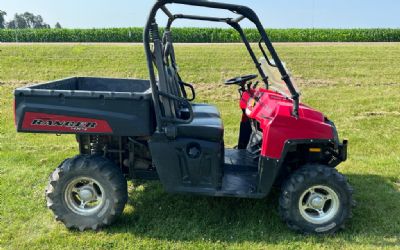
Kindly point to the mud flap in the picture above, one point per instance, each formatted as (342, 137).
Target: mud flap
(268, 172)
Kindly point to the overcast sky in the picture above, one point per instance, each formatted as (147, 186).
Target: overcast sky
(273, 14)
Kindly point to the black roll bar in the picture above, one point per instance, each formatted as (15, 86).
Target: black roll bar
(166, 12)
(193, 17)
(239, 19)
(243, 11)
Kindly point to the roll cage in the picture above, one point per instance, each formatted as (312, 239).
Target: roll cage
(158, 54)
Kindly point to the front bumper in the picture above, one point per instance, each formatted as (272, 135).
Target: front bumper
(339, 154)
(340, 151)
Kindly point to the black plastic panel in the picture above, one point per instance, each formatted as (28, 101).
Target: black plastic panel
(129, 112)
(187, 163)
(240, 160)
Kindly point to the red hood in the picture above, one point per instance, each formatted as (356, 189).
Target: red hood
(274, 114)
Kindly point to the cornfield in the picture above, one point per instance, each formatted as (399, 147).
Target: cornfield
(200, 35)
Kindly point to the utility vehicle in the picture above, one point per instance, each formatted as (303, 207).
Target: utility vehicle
(152, 129)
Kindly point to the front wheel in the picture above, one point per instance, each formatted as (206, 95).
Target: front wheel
(86, 192)
(316, 199)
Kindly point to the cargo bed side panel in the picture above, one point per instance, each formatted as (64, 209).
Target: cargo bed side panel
(121, 117)
(86, 105)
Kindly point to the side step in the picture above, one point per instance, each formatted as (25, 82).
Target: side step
(240, 160)
(240, 177)
(240, 173)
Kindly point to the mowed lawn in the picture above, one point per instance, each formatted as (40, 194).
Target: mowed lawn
(355, 85)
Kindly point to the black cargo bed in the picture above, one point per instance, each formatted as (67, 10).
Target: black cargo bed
(86, 105)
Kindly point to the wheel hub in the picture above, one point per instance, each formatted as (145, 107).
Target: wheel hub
(86, 194)
(317, 202)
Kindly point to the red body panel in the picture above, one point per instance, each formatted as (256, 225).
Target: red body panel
(64, 124)
(273, 112)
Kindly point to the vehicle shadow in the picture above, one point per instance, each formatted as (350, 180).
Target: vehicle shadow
(152, 213)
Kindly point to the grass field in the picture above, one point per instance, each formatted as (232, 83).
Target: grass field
(357, 86)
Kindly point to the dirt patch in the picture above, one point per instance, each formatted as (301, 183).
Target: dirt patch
(381, 113)
(301, 81)
(14, 84)
(371, 114)
(389, 84)
(385, 84)
(315, 82)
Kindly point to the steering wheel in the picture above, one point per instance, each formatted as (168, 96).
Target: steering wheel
(241, 80)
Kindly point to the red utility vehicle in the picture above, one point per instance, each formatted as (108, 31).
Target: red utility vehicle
(152, 129)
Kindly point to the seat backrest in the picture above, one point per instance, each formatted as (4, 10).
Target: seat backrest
(174, 81)
(173, 89)
(164, 80)
(170, 61)
(169, 79)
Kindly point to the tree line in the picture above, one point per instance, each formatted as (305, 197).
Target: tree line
(25, 20)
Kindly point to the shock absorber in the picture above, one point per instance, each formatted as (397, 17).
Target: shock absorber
(95, 145)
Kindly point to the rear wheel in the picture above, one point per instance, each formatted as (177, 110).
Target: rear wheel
(86, 192)
(316, 199)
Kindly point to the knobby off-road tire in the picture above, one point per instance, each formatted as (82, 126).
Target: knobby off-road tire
(316, 199)
(86, 192)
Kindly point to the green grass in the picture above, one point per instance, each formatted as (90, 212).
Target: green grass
(357, 86)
